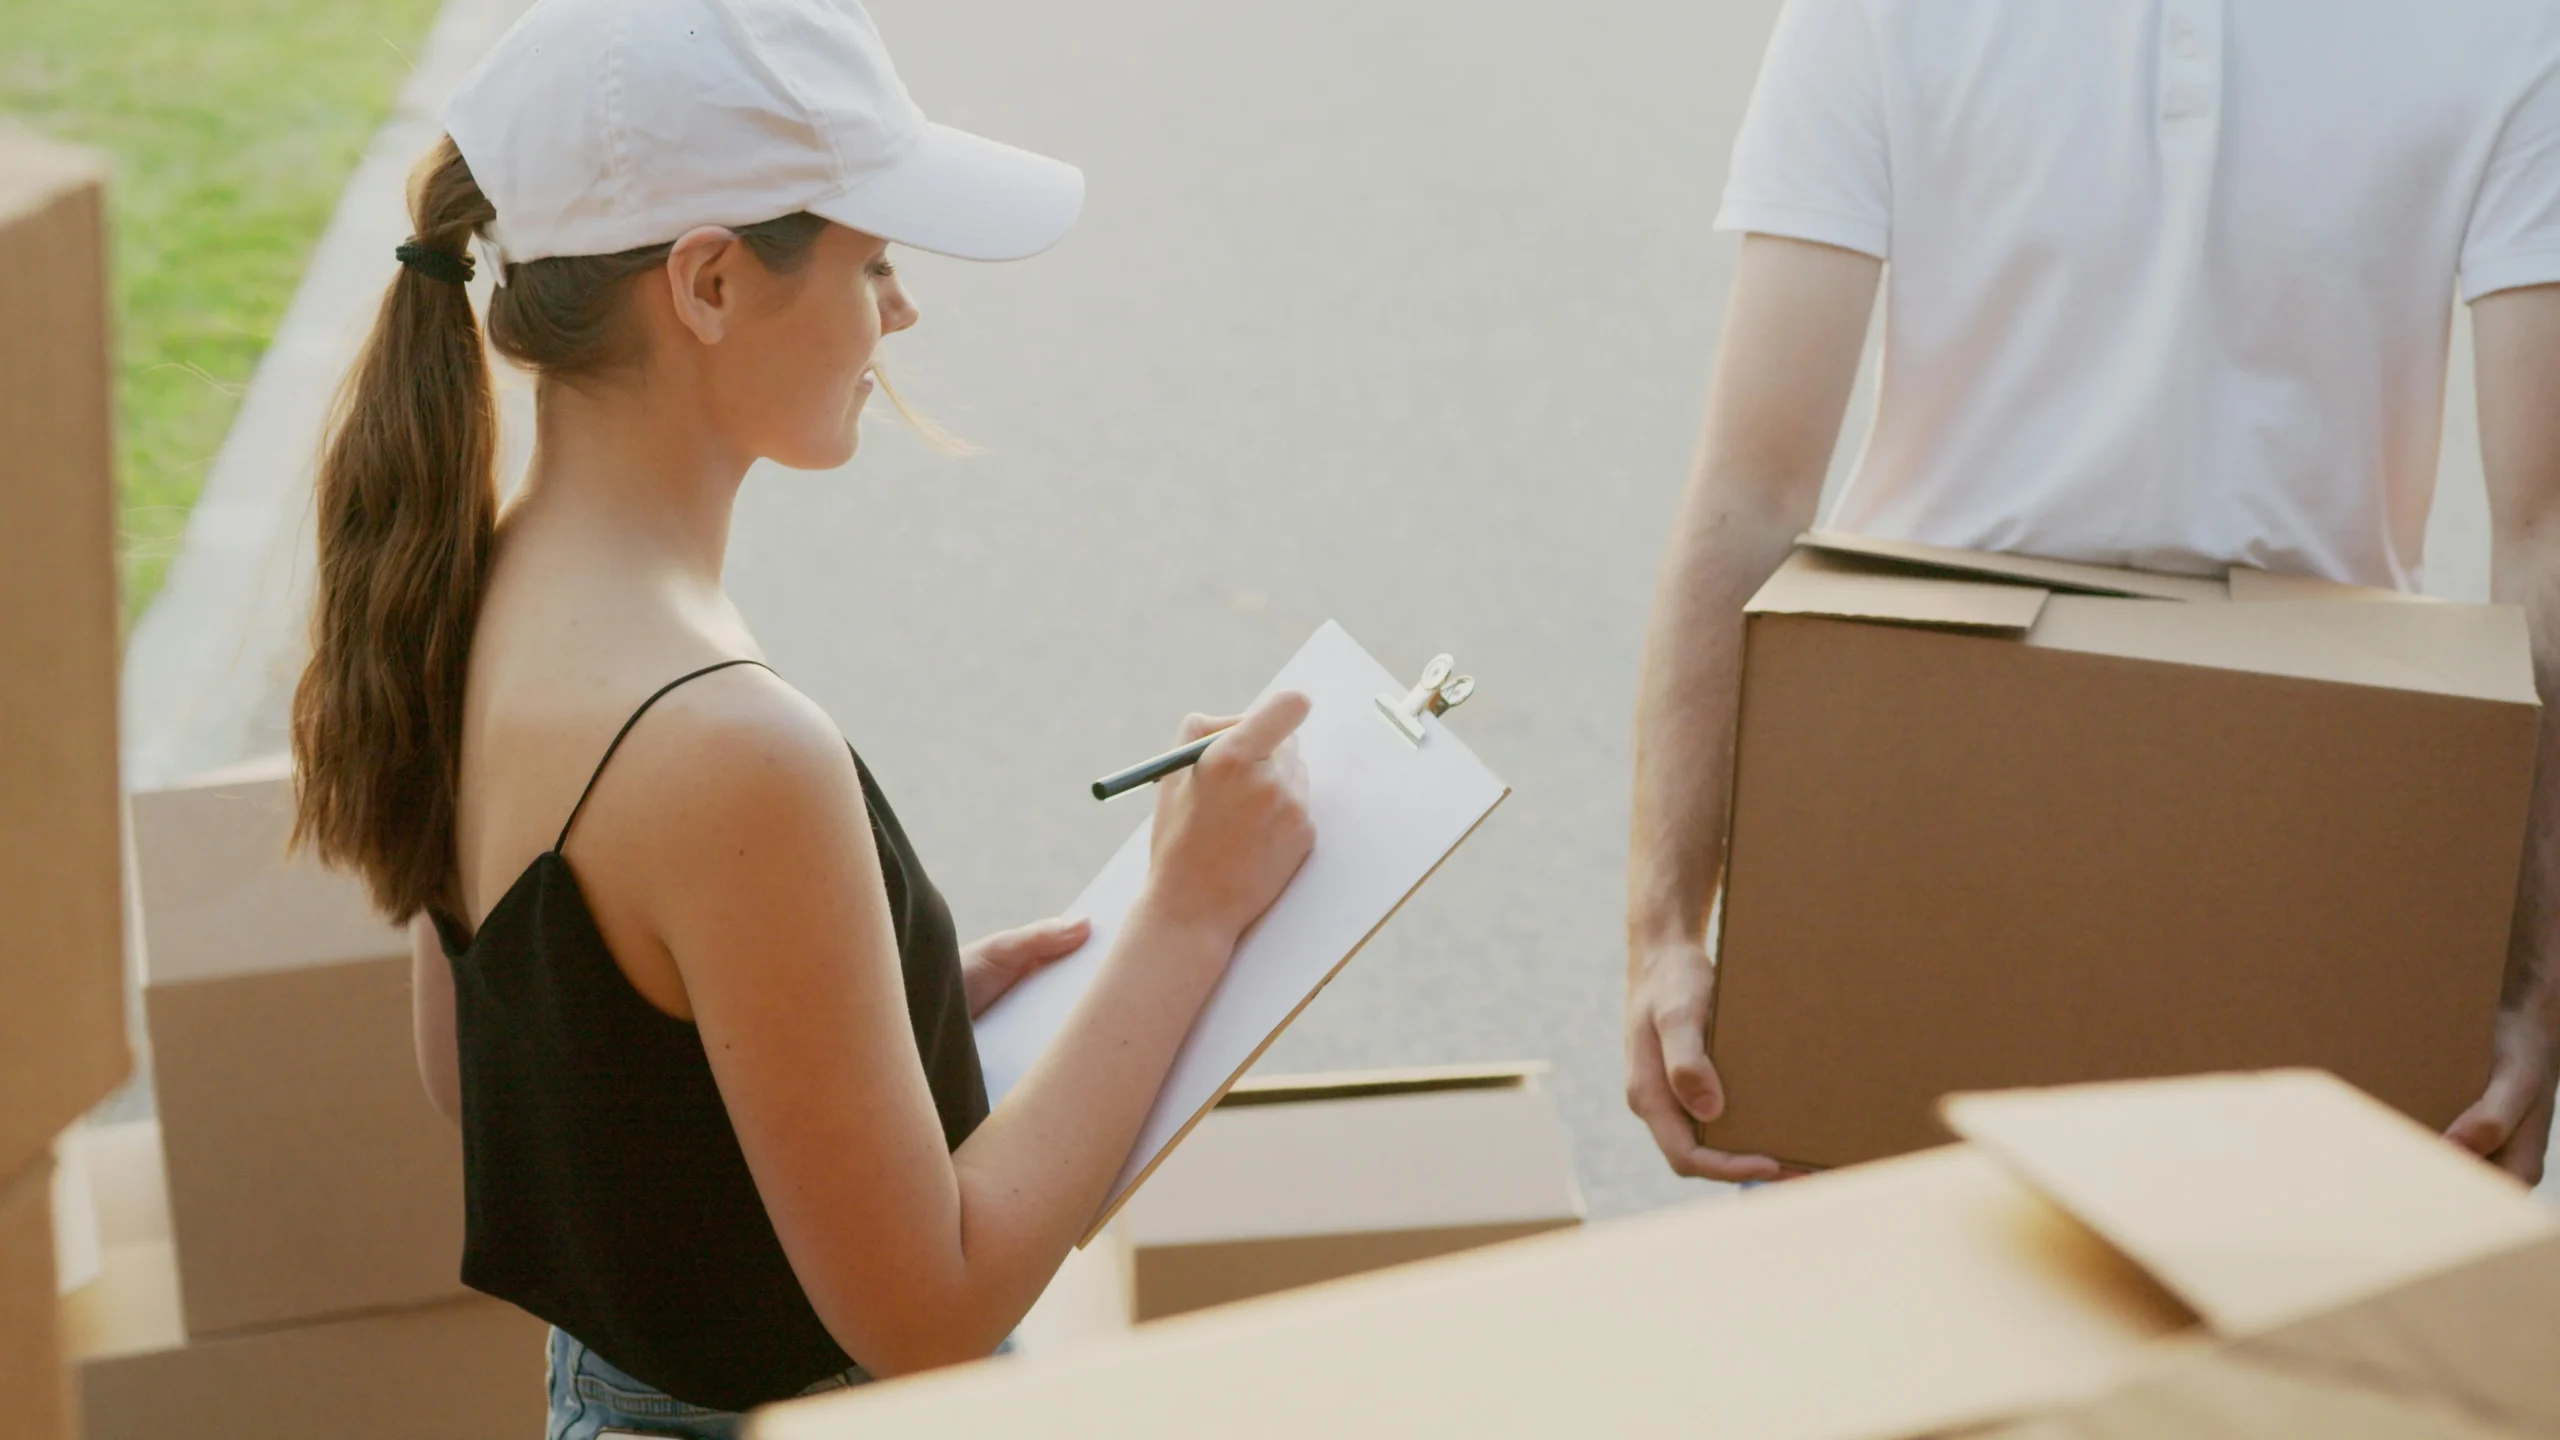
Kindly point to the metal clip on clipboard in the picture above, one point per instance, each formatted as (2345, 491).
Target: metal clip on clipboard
(1437, 693)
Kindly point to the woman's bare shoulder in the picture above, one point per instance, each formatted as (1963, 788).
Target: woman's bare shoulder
(738, 744)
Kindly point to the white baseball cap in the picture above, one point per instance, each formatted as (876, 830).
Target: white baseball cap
(596, 126)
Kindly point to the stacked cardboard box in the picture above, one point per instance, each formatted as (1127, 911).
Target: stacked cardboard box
(313, 1198)
(455, 1370)
(1293, 1180)
(308, 1173)
(2217, 1256)
(2000, 821)
(31, 1354)
(62, 1028)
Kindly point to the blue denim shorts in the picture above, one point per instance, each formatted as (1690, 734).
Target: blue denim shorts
(589, 1396)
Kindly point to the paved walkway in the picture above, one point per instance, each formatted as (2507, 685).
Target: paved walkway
(1383, 311)
(207, 668)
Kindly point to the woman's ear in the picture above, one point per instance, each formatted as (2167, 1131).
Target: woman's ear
(701, 282)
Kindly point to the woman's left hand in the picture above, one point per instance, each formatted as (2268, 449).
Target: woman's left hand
(996, 964)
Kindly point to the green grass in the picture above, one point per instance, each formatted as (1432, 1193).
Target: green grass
(233, 124)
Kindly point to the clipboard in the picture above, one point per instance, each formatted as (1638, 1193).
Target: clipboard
(1393, 791)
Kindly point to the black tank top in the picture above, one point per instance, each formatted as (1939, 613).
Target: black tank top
(603, 1184)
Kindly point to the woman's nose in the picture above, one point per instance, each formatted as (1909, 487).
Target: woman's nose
(897, 311)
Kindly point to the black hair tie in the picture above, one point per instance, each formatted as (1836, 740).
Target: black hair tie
(436, 264)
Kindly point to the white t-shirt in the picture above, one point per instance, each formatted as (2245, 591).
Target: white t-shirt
(2170, 280)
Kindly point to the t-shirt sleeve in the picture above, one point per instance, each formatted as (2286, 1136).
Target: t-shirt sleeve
(1810, 162)
(2514, 235)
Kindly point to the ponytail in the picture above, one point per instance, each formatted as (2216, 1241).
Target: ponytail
(408, 503)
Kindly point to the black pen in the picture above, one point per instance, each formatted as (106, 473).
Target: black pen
(1147, 772)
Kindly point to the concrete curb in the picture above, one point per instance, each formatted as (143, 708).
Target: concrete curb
(206, 665)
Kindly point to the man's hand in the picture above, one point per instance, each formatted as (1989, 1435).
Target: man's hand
(2516, 341)
(997, 964)
(2510, 1126)
(1671, 1084)
(1792, 336)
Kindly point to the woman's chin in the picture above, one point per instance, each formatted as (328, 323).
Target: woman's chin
(827, 454)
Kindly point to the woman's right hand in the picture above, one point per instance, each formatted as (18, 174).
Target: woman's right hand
(1233, 829)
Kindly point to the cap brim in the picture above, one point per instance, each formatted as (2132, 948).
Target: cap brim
(965, 195)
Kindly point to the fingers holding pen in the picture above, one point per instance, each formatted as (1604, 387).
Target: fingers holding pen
(1231, 833)
(1261, 730)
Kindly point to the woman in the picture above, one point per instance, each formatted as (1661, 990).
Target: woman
(698, 1010)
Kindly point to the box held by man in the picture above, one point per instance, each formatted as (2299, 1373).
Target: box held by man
(1999, 821)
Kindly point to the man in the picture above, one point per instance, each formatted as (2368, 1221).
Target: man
(2171, 282)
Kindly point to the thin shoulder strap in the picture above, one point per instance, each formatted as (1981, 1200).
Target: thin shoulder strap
(620, 734)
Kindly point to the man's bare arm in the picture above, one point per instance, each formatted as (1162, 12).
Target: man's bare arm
(2516, 340)
(1793, 331)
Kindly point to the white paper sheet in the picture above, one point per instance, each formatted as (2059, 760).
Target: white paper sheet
(1385, 813)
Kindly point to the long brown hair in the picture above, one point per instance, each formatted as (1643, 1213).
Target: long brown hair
(408, 510)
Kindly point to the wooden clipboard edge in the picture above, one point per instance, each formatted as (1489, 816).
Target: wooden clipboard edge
(1395, 1080)
(1112, 1209)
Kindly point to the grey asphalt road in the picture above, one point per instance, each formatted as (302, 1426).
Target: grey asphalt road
(1393, 312)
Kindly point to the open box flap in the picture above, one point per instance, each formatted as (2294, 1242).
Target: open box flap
(1813, 583)
(2463, 1353)
(1946, 1292)
(2478, 652)
(2251, 586)
(2260, 1199)
(2220, 1395)
(2482, 1333)
(2067, 575)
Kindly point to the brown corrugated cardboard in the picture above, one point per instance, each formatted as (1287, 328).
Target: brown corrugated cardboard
(2316, 1196)
(33, 1401)
(2140, 836)
(220, 897)
(1908, 1297)
(2460, 1354)
(309, 1176)
(128, 1182)
(2217, 1395)
(2065, 575)
(75, 1218)
(1085, 1304)
(1293, 1180)
(456, 1370)
(62, 1032)
(2249, 585)
(2481, 1333)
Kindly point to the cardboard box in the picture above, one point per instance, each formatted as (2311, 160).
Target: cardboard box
(128, 1183)
(1293, 1180)
(62, 1033)
(1999, 821)
(456, 1370)
(32, 1397)
(2362, 1374)
(309, 1175)
(76, 1257)
(2082, 1237)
